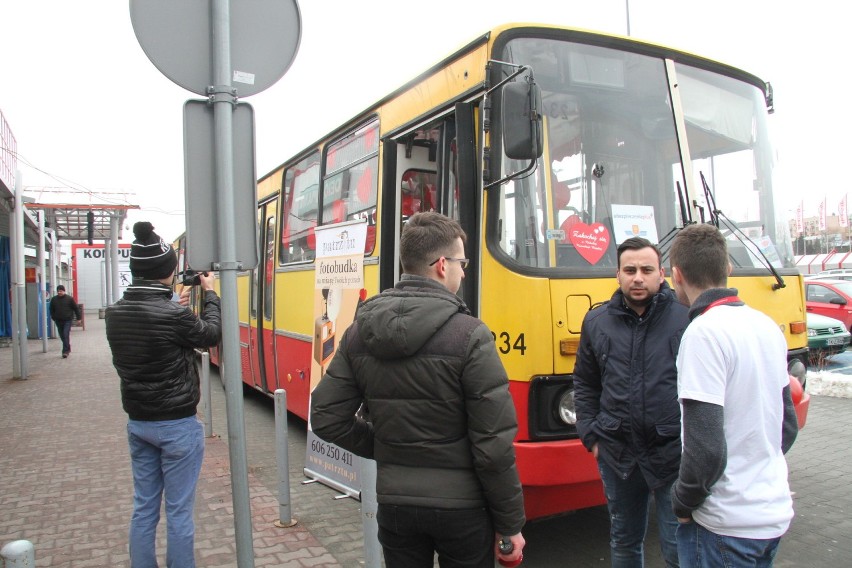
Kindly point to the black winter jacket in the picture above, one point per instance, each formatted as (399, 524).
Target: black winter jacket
(441, 421)
(64, 308)
(153, 341)
(626, 385)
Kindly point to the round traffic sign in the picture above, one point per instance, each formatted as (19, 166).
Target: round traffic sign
(177, 38)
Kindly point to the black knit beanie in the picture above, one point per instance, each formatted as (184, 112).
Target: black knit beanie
(151, 258)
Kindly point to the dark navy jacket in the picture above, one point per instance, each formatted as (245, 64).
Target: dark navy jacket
(626, 385)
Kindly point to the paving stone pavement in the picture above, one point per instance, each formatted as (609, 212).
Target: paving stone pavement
(65, 480)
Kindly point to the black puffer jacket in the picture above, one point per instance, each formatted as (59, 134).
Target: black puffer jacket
(626, 385)
(441, 420)
(153, 340)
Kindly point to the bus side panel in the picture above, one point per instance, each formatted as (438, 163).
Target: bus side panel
(557, 475)
(246, 355)
(294, 372)
(784, 305)
(294, 329)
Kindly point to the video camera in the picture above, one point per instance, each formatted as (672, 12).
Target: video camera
(190, 277)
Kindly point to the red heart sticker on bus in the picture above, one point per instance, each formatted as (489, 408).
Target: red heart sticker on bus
(591, 241)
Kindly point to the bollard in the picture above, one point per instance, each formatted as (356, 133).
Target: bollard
(369, 508)
(285, 518)
(206, 402)
(18, 554)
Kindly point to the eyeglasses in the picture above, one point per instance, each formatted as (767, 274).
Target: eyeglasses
(463, 262)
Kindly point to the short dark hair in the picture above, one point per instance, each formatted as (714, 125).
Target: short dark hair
(637, 243)
(425, 237)
(60, 288)
(700, 253)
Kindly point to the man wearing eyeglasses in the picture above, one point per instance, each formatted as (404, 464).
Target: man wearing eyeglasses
(417, 385)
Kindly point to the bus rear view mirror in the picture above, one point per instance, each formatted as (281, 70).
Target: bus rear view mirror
(521, 107)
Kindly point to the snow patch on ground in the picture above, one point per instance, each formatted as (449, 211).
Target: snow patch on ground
(826, 383)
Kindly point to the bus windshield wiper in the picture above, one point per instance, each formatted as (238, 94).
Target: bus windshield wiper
(716, 215)
(686, 217)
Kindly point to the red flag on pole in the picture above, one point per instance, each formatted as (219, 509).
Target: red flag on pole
(822, 215)
(842, 211)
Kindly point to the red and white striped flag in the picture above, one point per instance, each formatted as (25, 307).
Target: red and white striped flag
(842, 211)
(822, 215)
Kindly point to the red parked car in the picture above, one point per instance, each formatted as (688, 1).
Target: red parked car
(831, 298)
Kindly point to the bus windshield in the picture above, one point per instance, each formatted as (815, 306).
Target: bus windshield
(613, 162)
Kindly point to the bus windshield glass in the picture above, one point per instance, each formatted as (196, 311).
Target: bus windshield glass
(732, 164)
(613, 168)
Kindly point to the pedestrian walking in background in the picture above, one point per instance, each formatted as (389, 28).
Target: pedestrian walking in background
(153, 341)
(63, 310)
(437, 415)
(732, 495)
(625, 382)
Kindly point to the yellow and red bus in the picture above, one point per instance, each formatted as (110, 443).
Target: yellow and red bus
(550, 146)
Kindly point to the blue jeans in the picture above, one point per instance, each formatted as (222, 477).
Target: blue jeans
(410, 536)
(64, 327)
(165, 457)
(628, 501)
(700, 548)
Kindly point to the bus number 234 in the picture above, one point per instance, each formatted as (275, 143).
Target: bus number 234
(505, 344)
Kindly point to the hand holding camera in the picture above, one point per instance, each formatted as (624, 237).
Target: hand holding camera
(203, 279)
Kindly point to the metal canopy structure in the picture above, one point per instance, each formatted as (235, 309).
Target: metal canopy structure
(71, 221)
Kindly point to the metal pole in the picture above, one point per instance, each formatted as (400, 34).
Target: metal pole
(42, 280)
(223, 100)
(369, 508)
(206, 403)
(107, 277)
(285, 513)
(54, 261)
(113, 245)
(20, 274)
(18, 554)
(13, 257)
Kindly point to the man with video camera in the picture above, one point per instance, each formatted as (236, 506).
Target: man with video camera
(153, 341)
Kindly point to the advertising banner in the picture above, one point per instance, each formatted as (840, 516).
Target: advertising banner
(339, 280)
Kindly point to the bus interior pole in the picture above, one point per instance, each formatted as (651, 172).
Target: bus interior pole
(223, 107)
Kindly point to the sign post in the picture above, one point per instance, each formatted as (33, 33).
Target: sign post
(222, 50)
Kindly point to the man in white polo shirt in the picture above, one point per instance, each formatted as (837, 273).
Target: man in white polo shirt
(731, 496)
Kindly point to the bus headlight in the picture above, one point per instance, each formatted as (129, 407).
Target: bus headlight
(567, 410)
(552, 414)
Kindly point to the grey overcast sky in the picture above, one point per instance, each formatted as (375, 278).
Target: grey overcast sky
(91, 113)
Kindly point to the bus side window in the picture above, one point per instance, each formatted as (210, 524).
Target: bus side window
(350, 185)
(299, 211)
